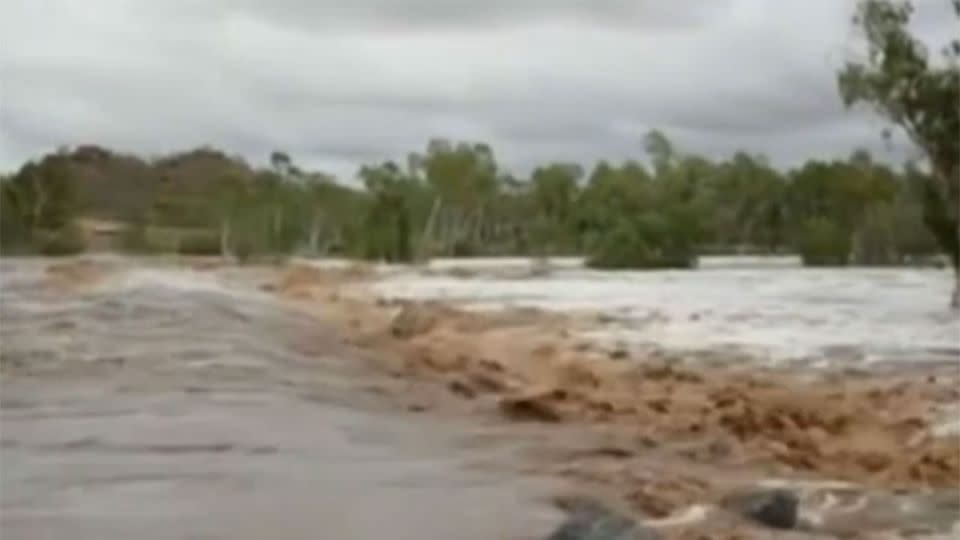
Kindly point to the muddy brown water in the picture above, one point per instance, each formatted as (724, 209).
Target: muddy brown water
(154, 408)
(169, 404)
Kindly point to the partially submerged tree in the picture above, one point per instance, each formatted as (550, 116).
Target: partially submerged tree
(921, 95)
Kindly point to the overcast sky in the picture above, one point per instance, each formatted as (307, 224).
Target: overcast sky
(338, 82)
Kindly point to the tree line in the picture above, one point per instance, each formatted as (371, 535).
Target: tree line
(455, 199)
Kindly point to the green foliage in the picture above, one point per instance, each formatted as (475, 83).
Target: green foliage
(135, 238)
(918, 94)
(876, 242)
(824, 243)
(454, 199)
(199, 243)
(554, 193)
(648, 242)
(64, 241)
(15, 230)
(39, 207)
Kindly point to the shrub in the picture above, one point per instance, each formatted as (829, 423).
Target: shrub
(648, 242)
(822, 243)
(66, 241)
(135, 239)
(199, 243)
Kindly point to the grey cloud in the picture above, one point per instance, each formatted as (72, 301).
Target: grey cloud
(336, 84)
(454, 14)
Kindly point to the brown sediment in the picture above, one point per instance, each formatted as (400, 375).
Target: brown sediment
(525, 365)
(75, 274)
(655, 434)
(309, 282)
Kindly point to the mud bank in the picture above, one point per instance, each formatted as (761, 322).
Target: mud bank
(667, 439)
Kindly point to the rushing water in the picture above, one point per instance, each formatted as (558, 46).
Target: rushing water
(171, 404)
(164, 405)
(771, 311)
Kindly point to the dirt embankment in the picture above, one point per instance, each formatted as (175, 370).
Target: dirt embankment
(529, 366)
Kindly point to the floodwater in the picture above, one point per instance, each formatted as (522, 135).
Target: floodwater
(165, 405)
(172, 404)
(767, 309)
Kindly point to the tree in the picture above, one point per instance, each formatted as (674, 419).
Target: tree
(660, 150)
(387, 224)
(921, 96)
(232, 196)
(454, 199)
(465, 180)
(280, 162)
(824, 243)
(40, 208)
(748, 203)
(554, 193)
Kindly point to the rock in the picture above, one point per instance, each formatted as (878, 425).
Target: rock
(774, 508)
(461, 389)
(486, 383)
(536, 407)
(591, 521)
(619, 353)
(413, 319)
(605, 318)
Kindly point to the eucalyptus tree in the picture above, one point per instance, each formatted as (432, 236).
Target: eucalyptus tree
(920, 94)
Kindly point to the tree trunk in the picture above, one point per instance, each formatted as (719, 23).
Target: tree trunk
(225, 239)
(426, 239)
(478, 228)
(953, 198)
(315, 237)
(955, 299)
(941, 216)
(39, 203)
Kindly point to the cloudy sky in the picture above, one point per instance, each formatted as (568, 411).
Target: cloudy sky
(335, 82)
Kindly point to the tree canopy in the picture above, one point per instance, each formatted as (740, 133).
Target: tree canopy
(919, 93)
(454, 198)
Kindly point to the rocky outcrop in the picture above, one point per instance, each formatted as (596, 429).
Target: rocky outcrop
(773, 508)
(590, 520)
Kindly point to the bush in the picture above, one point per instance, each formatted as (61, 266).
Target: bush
(822, 243)
(648, 243)
(199, 243)
(875, 240)
(65, 241)
(135, 239)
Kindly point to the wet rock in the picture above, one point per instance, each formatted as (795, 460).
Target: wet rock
(486, 383)
(605, 318)
(619, 353)
(461, 389)
(534, 407)
(413, 320)
(774, 508)
(591, 521)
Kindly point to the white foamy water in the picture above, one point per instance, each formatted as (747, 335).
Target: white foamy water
(769, 310)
